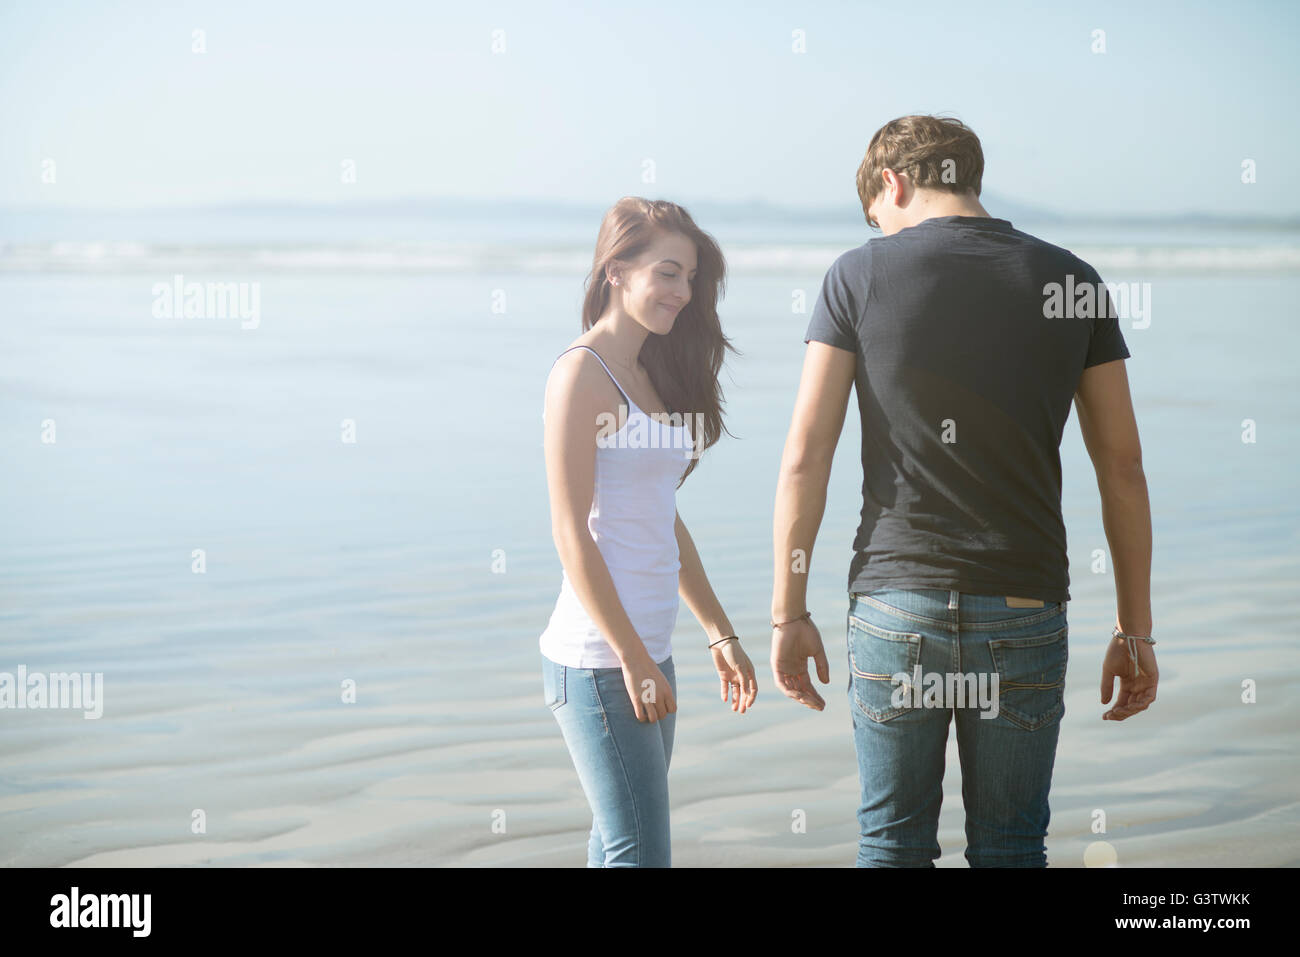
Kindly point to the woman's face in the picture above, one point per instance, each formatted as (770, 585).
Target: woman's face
(657, 285)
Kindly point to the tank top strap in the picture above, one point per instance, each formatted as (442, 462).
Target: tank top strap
(602, 362)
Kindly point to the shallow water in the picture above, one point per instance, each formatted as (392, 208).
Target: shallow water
(380, 562)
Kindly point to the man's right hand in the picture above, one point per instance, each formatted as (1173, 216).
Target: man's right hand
(792, 646)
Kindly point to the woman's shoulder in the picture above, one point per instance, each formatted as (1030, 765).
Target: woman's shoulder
(576, 377)
(576, 359)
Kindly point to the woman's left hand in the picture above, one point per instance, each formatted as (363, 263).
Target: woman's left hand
(736, 673)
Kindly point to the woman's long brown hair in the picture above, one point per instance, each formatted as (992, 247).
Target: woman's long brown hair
(683, 365)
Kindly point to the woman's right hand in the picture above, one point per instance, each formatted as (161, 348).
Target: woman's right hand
(652, 698)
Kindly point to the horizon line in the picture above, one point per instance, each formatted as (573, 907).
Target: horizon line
(415, 204)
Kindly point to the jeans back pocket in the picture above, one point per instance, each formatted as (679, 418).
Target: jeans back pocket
(554, 678)
(1031, 677)
(876, 656)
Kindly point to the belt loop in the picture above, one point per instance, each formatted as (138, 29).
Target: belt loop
(952, 599)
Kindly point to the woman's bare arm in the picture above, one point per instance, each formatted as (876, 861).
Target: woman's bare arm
(577, 392)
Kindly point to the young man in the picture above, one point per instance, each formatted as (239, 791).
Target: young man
(966, 340)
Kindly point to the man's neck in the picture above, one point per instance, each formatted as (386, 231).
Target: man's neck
(931, 207)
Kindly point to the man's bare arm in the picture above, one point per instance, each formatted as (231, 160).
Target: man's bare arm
(1110, 433)
(815, 430)
(800, 503)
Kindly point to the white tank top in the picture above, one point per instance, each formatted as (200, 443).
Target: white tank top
(633, 522)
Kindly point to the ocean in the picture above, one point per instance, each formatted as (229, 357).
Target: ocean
(310, 554)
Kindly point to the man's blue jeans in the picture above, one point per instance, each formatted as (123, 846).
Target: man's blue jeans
(621, 762)
(901, 733)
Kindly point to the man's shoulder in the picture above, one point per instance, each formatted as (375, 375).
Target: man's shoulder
(1055, 255)
(855, 258)
(851, 268)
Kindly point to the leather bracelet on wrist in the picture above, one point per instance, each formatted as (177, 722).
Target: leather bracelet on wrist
(721, 640)
(778, 624)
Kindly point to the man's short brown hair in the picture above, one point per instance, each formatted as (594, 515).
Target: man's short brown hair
(935, 152)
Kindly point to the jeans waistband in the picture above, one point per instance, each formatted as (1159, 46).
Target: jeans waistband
(951, 608)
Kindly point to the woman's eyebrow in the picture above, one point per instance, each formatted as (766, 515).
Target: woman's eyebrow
(675, 263)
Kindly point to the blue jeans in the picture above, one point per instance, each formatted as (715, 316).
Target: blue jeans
(1006, 759)
(621, 762)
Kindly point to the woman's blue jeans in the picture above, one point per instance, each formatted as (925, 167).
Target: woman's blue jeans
(621, 762)
(901, 732)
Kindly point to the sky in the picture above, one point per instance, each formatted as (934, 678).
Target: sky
(713, 95)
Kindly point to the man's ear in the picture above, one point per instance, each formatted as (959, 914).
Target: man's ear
(903, 189)
(893, 184)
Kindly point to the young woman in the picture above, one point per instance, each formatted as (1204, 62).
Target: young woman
(629, 406)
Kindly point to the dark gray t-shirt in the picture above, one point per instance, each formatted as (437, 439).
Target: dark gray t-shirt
(964, 386)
